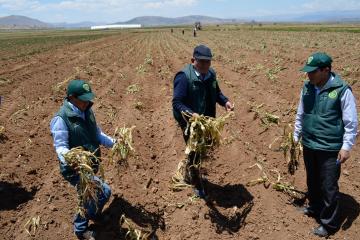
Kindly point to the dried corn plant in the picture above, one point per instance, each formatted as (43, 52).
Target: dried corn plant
(289, 190)
(123, 145)
(32, 225)
(88, 188)
(204, 132)
(273, 178)
(19, 114)
(148, 60)
(263, 179)
(286, 188)
(61, 86)
(292, 150)
(266, 118)
(133, 88)
(139, 106)
(178, 182)
(2, 131)
(132, 233)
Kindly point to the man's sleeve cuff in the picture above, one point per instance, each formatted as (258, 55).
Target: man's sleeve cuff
(346, 147)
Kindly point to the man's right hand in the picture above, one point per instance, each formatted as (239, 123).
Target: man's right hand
(75, 167)
(229, 106)
(195, 115)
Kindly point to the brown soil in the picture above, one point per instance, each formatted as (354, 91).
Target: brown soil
(30, 183)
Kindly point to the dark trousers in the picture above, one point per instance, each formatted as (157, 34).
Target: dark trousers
(322, 174)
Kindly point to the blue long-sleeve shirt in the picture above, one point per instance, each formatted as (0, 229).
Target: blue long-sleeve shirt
(60, 134)
(181, 93)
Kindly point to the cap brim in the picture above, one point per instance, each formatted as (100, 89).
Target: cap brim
(86, 97)
(203, 57)
(308, 69)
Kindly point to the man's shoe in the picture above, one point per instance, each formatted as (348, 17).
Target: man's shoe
(308, 211)
(200, 193)
(87, 235)
(321, 231)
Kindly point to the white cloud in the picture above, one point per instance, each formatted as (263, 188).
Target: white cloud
(23, 5)
(18, 5)
(168, 3)
(330, 5)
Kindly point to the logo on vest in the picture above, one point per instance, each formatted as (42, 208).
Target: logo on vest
(86, 87)
(333, 94)
(310, 59)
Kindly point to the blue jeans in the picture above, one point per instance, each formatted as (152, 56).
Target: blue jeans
(92, 211)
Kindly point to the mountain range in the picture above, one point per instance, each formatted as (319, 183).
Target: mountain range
(22, 22)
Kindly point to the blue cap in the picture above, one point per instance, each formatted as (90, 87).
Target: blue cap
(202, 52)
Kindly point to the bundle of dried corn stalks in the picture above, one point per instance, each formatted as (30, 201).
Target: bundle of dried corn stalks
(204, 132)
(82, 161)
(123, 145)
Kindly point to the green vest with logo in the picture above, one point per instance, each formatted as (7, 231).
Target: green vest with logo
(323, 128)
(202, 95)
(81, 133)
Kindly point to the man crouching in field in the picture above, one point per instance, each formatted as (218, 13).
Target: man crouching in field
(327, 122)
(73, 126)
(196, 92)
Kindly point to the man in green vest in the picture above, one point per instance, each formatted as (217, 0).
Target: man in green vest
(73, 126)
(196, 92)
(326, 122)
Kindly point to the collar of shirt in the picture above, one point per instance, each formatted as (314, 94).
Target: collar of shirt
(77, 111)
(207, 76)
(317, 89)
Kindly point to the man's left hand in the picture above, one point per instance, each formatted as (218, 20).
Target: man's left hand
(343, 155)
(229, 106)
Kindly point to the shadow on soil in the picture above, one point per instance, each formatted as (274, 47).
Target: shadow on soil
(13, 194)
(235, 199)
(349, 210)
(139, 217)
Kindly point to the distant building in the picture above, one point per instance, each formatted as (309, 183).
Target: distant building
(116, 26)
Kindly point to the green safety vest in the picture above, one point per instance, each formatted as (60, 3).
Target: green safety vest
(81, 133)
(323, 128)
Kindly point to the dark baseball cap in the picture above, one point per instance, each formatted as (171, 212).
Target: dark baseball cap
(315, 61)
(80, 89)
(202, 52)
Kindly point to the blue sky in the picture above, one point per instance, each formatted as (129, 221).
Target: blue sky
(122, 10)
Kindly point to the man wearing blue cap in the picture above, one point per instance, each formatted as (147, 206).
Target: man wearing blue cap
(326, 122)
(196, 92)
(73, 126)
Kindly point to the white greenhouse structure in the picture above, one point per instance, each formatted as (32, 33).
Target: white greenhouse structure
(115, 26)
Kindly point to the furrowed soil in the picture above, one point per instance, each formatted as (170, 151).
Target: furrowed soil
(253, 67)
